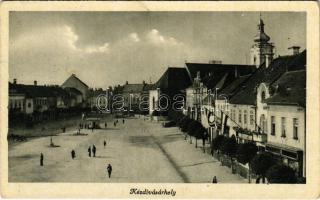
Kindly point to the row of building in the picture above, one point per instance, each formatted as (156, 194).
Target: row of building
(37, 102)
(264, 102)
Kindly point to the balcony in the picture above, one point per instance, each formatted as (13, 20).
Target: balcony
(249, 135)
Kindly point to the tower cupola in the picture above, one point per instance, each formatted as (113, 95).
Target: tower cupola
(262, 50)
(261, 36)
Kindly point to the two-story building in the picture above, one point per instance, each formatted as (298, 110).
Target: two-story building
(284, 106)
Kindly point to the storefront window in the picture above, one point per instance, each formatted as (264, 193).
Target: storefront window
(240, 116)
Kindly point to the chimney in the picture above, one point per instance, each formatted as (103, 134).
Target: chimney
(14, 81)
(295, 50)
(35, 83)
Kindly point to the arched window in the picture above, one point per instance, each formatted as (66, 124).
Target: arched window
(263, 95)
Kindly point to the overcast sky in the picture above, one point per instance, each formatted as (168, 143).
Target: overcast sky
(108, 48)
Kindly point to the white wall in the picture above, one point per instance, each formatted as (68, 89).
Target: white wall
(29, 109)
(189, 98)
(153, 94)
(235, 110)
(289, 112)
(17, 101)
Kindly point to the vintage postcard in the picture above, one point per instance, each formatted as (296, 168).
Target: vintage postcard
(160, 100)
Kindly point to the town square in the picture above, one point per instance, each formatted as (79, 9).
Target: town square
(150, 97)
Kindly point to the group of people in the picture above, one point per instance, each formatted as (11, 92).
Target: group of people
(73, 155)
(92, 150)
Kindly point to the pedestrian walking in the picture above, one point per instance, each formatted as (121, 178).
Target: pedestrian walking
(41, 159)
(73, 154)
(105, 125)
(89, 151)
(94, 149)
(51, 142)
(104, 143)
(214, 180)
(114, 124)
(109, 169)
(122, 121)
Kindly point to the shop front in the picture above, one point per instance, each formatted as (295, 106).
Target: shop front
(291, 156)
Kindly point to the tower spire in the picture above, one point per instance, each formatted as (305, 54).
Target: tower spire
(260, 16)
(262, 50)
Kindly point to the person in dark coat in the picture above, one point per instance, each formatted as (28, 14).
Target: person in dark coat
(41, 159)
(123, 121)
(109, 169)
(114, 124)
(73, 154)
(214, 180)
(94, 149)
(104, 143)
(89, 151)
(105, 125)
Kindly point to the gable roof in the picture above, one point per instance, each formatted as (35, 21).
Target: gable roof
(247, 93)
(174, 79)
(289, 89)
(73, 76)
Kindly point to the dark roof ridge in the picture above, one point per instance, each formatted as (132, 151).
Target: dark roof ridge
(222, 64)
(175, 67)
(295, 71)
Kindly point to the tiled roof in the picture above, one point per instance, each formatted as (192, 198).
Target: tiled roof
(174, 79)
(247, 93)
(217, 71)
(37, 90)
(289, 89)
(228, 87)
(231, 88)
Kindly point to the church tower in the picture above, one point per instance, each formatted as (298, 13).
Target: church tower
(262, 50)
